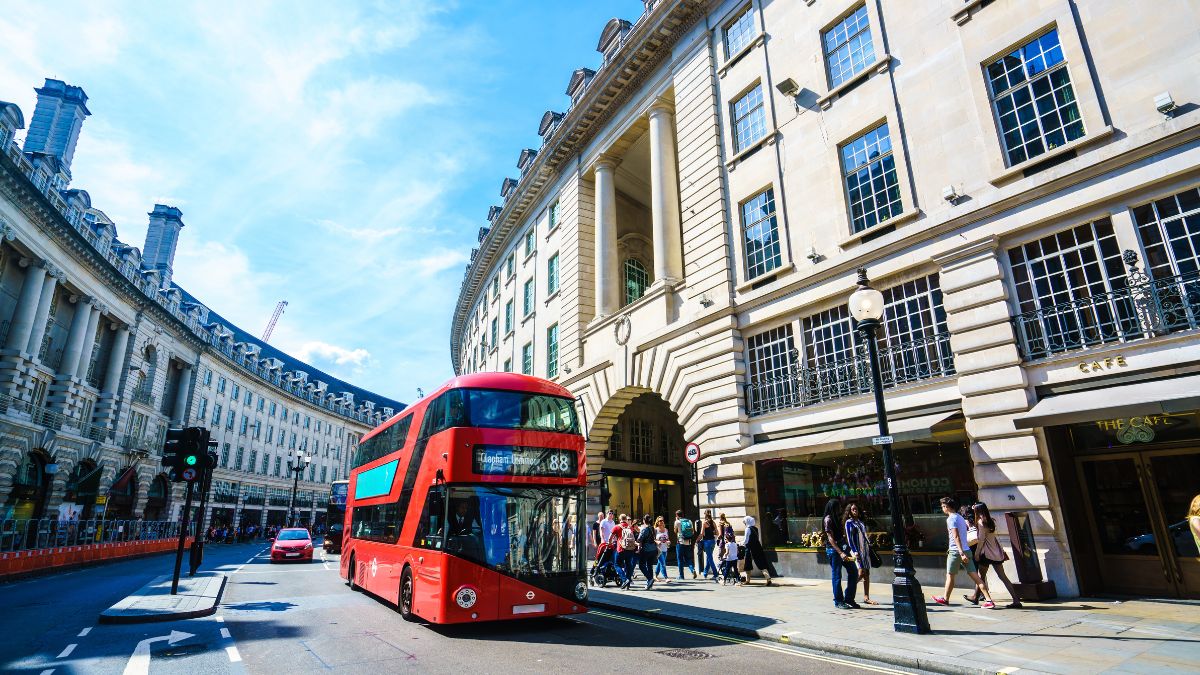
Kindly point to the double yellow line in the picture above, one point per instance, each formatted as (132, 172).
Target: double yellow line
(752, 643)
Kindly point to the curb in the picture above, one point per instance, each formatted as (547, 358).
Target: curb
(891, 658)
(107, 618)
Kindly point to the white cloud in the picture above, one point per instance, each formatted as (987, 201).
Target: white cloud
(221, 276)
(316, 350)
(440, 261)
(358, 109)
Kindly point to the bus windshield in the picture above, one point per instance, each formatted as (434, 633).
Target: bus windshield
(500, 409)
(523, 531)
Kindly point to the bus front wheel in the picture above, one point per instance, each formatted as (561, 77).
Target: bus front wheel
(353, 573)
(406, 595)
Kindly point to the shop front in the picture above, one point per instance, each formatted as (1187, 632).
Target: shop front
(1129, 482)
(794, 491)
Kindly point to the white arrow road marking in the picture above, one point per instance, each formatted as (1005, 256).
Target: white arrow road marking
(139, 662)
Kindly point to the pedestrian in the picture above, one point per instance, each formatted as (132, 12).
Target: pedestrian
(662, 538)
(836, 552)
(724, 529)
(1193, 518)
(594, 532)
(729, 559)
(607, 525)
(860, 547)
(708, 544)
(624, 539)
(752, 553)
(647, 550)
(958, 554)
(989, 554)
(685, 535)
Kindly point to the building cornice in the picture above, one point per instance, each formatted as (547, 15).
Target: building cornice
(646, 46)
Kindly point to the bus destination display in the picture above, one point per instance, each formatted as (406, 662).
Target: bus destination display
(515, 460)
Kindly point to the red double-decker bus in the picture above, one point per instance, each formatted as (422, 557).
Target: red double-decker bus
(468, 506)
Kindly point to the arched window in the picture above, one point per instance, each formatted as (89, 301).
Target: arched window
(636, 280)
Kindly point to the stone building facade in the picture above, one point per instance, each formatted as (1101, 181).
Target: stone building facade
(102, 352)
(1019, 179)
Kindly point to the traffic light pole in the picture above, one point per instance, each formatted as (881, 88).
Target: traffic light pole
(197, 552)
(183, 528)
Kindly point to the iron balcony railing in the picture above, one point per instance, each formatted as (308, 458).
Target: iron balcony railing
(801, 385)
(1143, 308)
(26, 534)
(144, 395)
(42, 416)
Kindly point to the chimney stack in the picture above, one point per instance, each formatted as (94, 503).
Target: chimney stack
(56, 122)
(162, 236)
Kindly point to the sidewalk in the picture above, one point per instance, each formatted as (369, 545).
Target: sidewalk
(198, 596)
(1069, 636)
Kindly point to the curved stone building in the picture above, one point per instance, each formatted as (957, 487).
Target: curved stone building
(1019, 179)
(102, 352)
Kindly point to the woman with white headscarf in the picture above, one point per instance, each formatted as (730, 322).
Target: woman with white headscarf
(754, 555)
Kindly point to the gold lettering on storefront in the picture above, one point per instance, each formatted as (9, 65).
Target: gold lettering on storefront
(1140, 428)
(1101, 365)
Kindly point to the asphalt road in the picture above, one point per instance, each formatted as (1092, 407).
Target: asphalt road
(303, 618)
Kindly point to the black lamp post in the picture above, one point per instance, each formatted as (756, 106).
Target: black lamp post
(297, 467)
(908, 602)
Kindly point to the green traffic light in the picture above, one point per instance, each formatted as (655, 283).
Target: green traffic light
(191, 460)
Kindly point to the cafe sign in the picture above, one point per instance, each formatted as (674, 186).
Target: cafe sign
(1142, 428)
(1102, 365)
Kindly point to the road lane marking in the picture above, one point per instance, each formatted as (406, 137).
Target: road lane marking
(225, 633)
(67, 652)
(234, 656)
(139, 661)
(748, 643)
(84, 632)
(220, 619)
(46, 671)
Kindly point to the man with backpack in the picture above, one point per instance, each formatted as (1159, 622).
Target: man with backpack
(647, 550)
(624, 538)
(685, 534)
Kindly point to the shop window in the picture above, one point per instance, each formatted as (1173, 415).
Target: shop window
(793, 493)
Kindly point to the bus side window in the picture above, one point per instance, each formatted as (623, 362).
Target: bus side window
(431, 529)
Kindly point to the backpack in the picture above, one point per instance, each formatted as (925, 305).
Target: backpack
(646, 538)
(685, 529)
(628, 539)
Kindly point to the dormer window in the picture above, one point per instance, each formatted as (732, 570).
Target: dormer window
(549, 123)
(579, 82)
(612, 38)
(507, 187)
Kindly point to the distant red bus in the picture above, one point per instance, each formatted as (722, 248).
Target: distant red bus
(468, 506)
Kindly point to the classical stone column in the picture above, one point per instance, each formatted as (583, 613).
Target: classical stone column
(664, 196)
(38, 330)
(112, 373)
(181, 395)
(27, 305)
(89, 341)
(75, 337)
(608, 267)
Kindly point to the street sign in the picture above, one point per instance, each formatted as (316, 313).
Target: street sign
(882, 440)
(692, 453)
(101, 499)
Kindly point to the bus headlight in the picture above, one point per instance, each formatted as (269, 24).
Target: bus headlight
(466, 597)
(581, 591)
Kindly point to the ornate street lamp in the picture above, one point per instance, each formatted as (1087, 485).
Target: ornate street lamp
(297, 467)
(908, 602)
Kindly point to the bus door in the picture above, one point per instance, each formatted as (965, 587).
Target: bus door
(429, 564)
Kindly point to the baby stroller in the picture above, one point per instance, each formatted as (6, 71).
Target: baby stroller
(604, 569)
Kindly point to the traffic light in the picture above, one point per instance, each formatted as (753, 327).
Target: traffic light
(185, 452)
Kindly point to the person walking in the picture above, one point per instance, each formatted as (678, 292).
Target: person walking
(662, 539)
(624, 541)
(860, 547)
(647, 550)
(594, 533)
(708, 544)
(839, 559)
(685, 535)
(607, 525)
(729, 559)
(752, 553)
(989, 554)
(958, 556)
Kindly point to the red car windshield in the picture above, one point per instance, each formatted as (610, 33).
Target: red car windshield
(294, 535)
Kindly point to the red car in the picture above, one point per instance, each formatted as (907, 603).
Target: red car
(293, 543)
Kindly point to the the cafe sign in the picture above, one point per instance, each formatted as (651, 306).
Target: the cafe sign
(1141, 428)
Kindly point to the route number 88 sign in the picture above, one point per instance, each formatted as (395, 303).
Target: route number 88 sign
(516, 460)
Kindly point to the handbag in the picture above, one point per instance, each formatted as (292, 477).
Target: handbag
(875, 559)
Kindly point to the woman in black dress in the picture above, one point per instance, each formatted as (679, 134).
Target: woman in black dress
(754, 554)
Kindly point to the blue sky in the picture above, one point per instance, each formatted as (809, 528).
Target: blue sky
(340, 156)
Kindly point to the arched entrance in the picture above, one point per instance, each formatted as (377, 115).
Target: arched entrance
(643, 469)
(30, 485)
(156, 499)
(122, 496)
(83, 485)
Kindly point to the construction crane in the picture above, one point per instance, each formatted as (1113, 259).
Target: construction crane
(274, 320)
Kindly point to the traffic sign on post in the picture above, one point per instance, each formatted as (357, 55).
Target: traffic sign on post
(692, 453)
